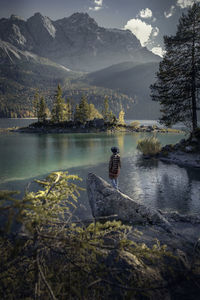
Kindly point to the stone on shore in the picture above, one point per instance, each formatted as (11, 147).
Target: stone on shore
(106, 201)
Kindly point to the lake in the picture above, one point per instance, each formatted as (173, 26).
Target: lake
(24, 157)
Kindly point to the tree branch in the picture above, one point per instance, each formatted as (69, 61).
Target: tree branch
(45, 281)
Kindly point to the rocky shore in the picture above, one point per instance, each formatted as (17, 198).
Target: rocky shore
(176, 274)
(185, 153)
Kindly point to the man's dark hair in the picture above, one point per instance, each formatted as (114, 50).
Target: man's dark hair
(115, 150)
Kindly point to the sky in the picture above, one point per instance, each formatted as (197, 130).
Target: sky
(149, 20)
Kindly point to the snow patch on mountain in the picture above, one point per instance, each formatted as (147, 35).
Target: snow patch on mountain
(19, 37)
(49, 26)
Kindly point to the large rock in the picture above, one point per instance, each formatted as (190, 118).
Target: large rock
(106, 201)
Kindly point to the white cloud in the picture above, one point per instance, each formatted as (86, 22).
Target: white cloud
(170, 13)
(140, 29)
(158, 51)
(186, 3)
(98, 4)
(96, 8)
(145, 13)
(155, 31)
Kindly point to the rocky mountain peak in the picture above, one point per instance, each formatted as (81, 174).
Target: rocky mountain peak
(81, 19)
(37, 15)
(16, 18)
(38, 26)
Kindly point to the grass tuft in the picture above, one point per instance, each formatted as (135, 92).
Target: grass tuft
(149, 145)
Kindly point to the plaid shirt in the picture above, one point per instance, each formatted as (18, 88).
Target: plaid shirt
(114, 166)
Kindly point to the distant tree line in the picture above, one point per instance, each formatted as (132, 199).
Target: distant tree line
(66, 110)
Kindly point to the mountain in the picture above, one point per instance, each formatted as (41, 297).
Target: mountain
(132, 79)
(76, 42)
(39, 53)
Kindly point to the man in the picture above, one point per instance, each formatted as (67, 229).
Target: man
(114, 167)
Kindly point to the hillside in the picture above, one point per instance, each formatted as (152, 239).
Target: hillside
(133, 80)
(22, 72)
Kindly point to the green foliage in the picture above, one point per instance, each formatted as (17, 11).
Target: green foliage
(149, 145)
(36, 104)
(177, 85)
(50, 204)
(106, 111)
(93, 112)
(85, 111)
(42, 110)
(82, 111)
(57, 258)
(108, 115)
(69, 108)
(121, 117)
(60, 111)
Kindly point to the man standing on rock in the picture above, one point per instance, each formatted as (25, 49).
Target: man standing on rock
(114, 167)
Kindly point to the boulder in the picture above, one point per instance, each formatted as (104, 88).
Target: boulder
(189, 149)
(106, 201)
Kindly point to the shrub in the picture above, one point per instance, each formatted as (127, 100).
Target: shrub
(135, 124)
(149, 145)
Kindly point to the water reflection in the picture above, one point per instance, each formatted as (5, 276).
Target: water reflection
(160, 185)
(146, 163)
(174, 189)
(120, 142)
(41, 144)
(151, 182)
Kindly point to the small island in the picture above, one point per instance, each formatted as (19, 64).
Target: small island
(92, 126)
(65, 117)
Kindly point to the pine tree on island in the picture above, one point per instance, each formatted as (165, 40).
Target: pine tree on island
(108, 115)
(69, 107)
(82, 111)
(105, 111)
(42, 111)
(60, 111)
(93, 112)
(121, 117)
(85, 112)
(178, 78)
(36, 101)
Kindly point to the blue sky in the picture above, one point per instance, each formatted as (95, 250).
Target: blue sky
(149, 20)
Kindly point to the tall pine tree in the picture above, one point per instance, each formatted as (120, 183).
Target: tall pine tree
(82, 112)
(178, 79)
(60, 111)
(42, 110)
(108, 115)
(36, 102)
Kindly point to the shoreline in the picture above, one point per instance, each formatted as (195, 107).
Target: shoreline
(89, 127)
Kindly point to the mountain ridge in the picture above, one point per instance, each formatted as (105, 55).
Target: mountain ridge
(39, 53)
(77, 42)
(132, 79)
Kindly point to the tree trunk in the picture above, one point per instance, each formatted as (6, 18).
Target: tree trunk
(194, 87)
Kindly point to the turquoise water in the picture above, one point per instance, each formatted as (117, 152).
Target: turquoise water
(24, 157)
